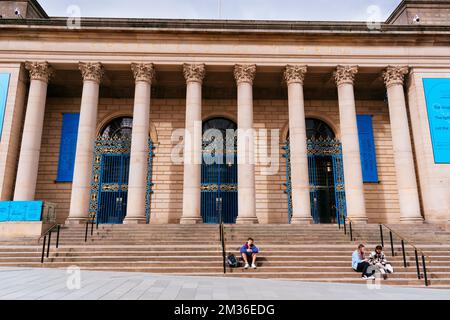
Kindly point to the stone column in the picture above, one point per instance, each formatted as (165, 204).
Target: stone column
(244, 76)
(194, 75)
(301, 207)
(401, 141)
(81, 187)
(137, 182)
(354, 187)
(27, 170)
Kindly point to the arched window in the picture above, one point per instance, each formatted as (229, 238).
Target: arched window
(316, 129)
(118, 128)
(221, 124)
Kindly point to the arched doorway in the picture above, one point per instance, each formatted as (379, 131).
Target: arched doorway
(326, 173)
(219, 172)
(109, 193)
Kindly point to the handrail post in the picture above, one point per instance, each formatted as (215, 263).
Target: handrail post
(57, 236)
(43, 249)
(86, 231)
(404, 254)
(392, 243)
(381, 235)
(417, 264)
(345, 227)
(49, 241)
(339, 222)
(351, 231)
(92, 227)
(424, 270)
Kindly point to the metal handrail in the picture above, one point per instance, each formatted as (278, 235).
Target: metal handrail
(222, 239)
(416, 250)
(49, 234)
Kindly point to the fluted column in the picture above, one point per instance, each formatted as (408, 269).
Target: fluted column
(354, 188)
(401, 141)
(27, 170)
(81, 187)
(244, 76)
(301, 207)
(194, 75)
(137, 182)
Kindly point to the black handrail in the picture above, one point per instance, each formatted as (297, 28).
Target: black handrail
(222, 240)
(350, 227)
(90, 222)
(404, 242)
(49, 234)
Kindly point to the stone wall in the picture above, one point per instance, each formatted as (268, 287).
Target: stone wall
(167, 115)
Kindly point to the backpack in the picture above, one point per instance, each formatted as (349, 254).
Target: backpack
(232, 261)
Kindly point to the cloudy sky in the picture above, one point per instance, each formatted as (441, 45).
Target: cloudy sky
(350, 10)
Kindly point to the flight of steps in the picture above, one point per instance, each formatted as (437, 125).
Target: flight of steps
(289, 252)
(174, 249)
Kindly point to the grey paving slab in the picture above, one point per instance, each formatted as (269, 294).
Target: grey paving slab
(51, 284)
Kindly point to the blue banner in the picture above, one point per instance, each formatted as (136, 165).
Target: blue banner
(437, 95)
(21, 210)
(68, 146)
(4, 84)
(367, 148)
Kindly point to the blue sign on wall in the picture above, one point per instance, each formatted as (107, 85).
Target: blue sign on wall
(4, 84)
(21, 210)
(367, 148)
(68, 146)
(437, 95)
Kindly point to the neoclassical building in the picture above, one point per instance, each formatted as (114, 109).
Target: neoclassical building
(347, 119)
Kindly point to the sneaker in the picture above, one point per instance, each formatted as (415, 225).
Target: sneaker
(371, 278)
(246, 266)
(253, 266)
(382, 271)
(364, 277)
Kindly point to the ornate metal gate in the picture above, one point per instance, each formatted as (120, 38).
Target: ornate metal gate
(109, 187)
(324, 156)
(219, 190)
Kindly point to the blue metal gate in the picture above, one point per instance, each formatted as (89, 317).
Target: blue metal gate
(109, 187)
(219, 190)
(320, 151)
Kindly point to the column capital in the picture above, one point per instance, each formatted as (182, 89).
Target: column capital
(92, 71)
(143, 72)
(244, 73)
(395, 75)
(295, 73)
(39, 70)
(194, 72)
(345, 74)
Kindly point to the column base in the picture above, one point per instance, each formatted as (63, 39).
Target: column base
(412, 220)
(247, 220)
(76, 221)
(360, 220)
(135, 221)
(301, 220)
(191, 220)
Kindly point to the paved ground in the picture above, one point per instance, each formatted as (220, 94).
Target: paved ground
(55, 284)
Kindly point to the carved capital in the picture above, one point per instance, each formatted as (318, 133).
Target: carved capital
(295, 74)
(39, 70)
(393, 75)
(194, 72)
(92, 71)
(143, 72)
(345, 74)
(244, 73)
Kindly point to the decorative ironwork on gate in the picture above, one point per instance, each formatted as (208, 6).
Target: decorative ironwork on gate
(320, 147)
(109, 185)
(219, 189)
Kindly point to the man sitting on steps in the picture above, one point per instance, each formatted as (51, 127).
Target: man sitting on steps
(361, 264)
(249, 252)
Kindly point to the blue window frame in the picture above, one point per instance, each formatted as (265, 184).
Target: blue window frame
(4, 85)
(367, 149)
(68, 146)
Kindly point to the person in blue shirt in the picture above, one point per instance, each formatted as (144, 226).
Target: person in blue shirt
(249, 252)
(361, 264)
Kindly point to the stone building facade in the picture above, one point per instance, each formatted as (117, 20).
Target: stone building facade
(155, 77)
